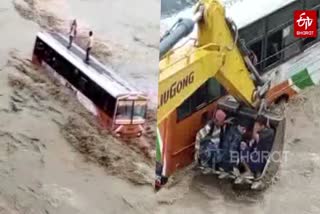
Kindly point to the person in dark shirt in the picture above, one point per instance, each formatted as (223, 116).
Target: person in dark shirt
(230, 147)
(263, 140)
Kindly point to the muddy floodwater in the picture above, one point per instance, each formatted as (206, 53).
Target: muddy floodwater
(296, 188)
(54, 157)
(126, 34)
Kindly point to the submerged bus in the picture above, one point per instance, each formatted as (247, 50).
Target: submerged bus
(116, 104)
(292, 63)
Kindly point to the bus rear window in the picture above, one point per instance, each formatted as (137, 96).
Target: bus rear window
(124, 110)
(140, 108)
(131, 111)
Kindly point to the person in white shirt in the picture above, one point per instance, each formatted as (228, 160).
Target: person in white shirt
(89, 46)
(73, 32)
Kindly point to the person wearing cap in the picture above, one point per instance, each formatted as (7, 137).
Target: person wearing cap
(216, 123)
(73, 32)
(208, 140)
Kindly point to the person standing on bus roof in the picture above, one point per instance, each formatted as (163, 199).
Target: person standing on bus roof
(89, 46)
(73, 32)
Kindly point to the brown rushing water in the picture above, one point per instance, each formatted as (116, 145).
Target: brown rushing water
(42, 128)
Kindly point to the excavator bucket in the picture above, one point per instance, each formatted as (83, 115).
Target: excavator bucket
(272, 166)
(233, 108)
(278, 123)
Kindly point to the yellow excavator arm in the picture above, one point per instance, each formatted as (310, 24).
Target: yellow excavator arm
(216, 54)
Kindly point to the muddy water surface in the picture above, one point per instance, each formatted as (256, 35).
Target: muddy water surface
(54, 158)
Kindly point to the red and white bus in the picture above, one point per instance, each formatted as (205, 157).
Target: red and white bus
(116, 104)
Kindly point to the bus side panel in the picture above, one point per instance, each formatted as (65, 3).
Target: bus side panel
(179, 144)
(104, 119)
(35, 58)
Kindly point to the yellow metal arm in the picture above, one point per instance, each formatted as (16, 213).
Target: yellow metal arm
(184, 70)
(178, 81)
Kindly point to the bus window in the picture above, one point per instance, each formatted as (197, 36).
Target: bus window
(291, 43)
(93, 92)
(139, 112)
(256, 48)
(253, 31)
(39, 48)
(274, 46)
(71, 73)
(57, 64)
(306, 42)
(124, 111)
(311, 4)
(47, 55)
(83, 85)
(282, 16)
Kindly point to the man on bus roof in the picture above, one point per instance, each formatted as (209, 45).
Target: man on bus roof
(73, 32)
(89, 46)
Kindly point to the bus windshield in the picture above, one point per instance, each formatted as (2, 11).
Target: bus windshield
(131, 112)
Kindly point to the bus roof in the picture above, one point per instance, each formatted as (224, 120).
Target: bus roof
(245, 12)
(96, 71)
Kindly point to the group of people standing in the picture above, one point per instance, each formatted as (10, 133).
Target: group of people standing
(234, 147)
(72, 36)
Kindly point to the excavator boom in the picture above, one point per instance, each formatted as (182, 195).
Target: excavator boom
(216, 55)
